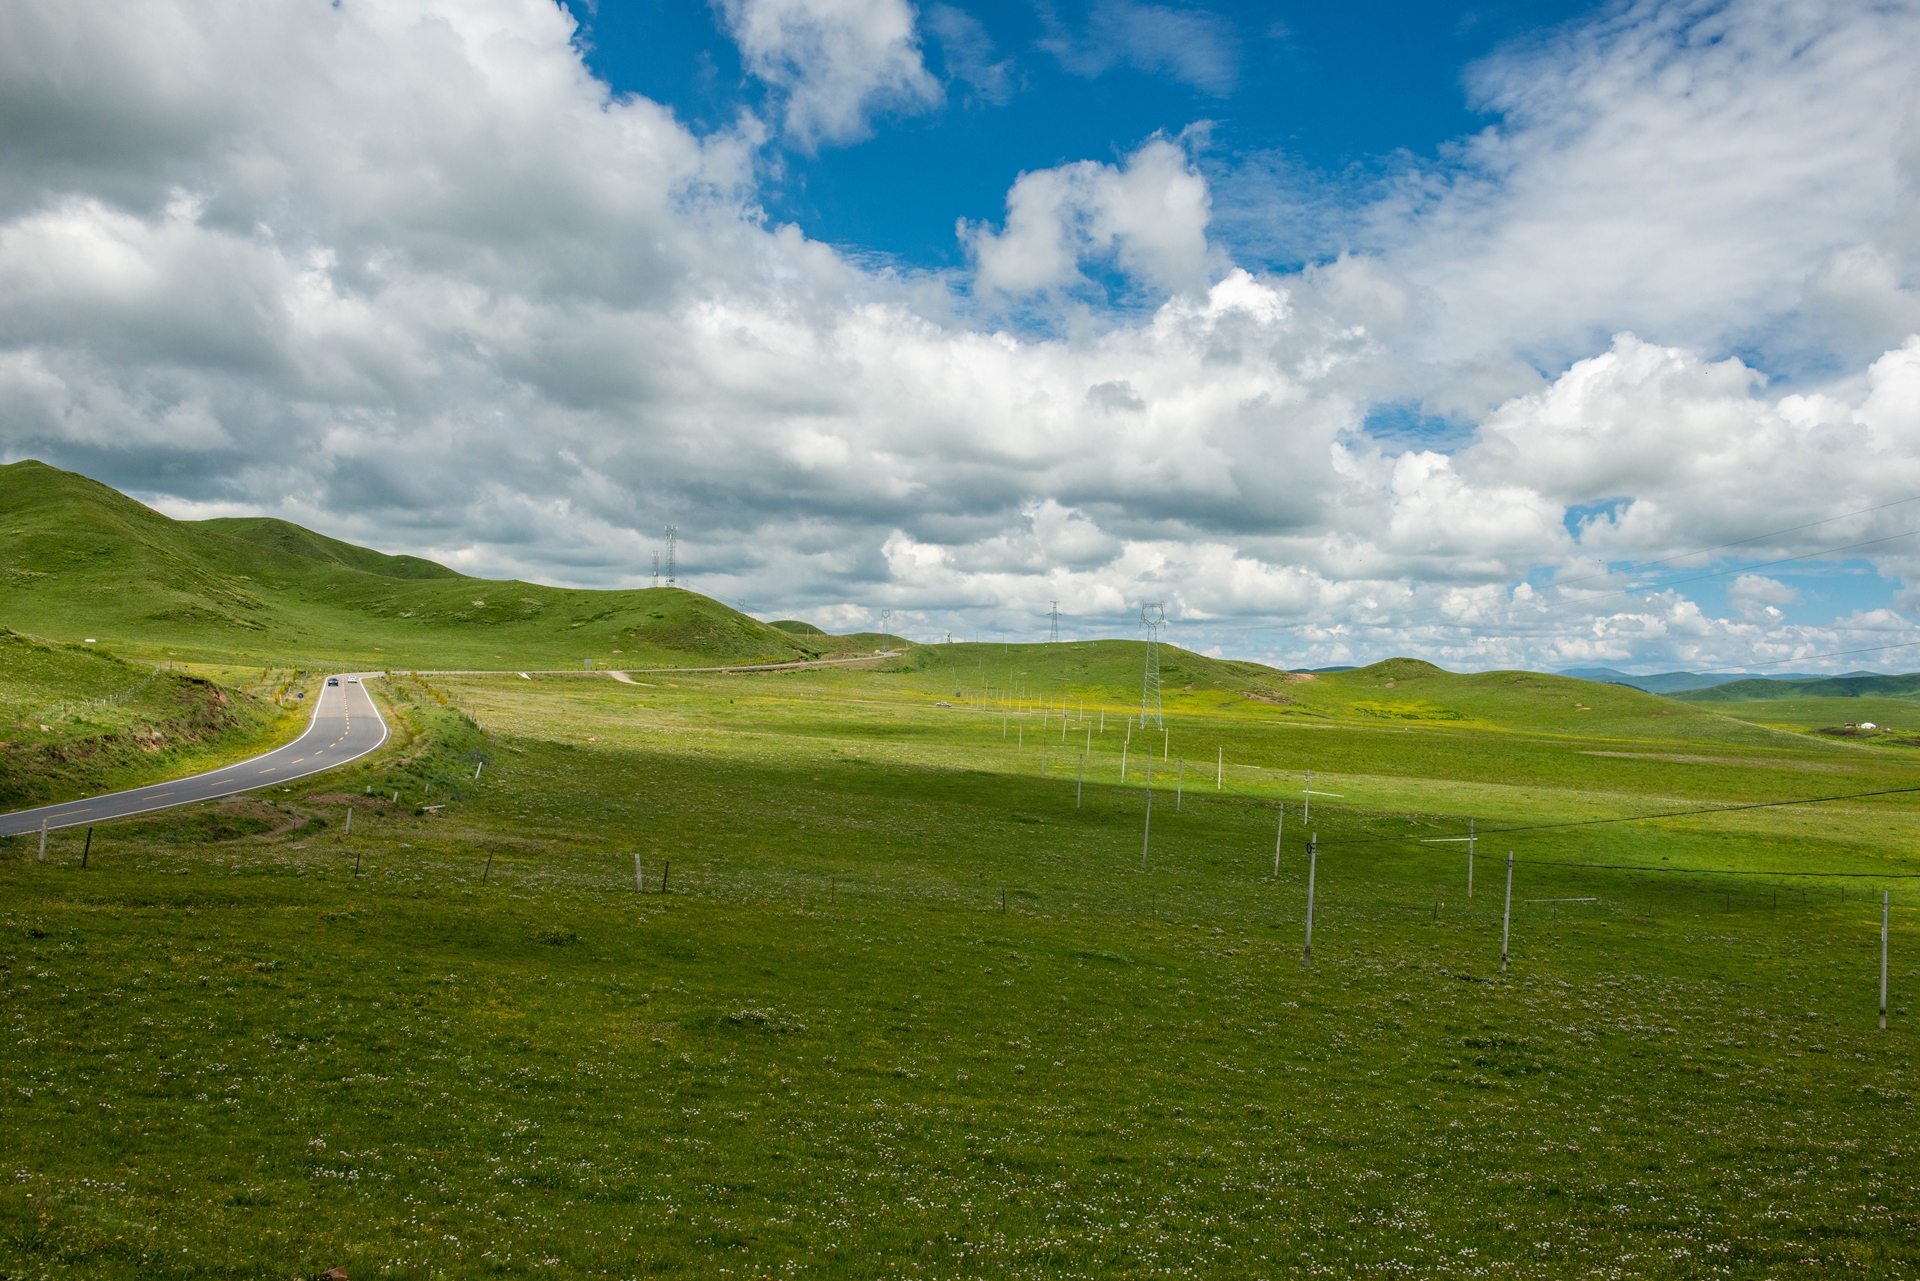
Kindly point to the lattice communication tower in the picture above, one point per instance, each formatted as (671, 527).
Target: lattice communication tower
(673, 545)
(656, 569)
(1053, 634)
(1152, 617)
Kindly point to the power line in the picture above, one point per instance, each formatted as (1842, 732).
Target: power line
(1802, 658)
(1769, 564)
(1551, 606)
(1724, 871)
(1485, 833)
(1707, 551)
(1740, 542)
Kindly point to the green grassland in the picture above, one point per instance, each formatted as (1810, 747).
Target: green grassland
(1896, 719)
(903, 1005)
(1904, 686)
(78, 559)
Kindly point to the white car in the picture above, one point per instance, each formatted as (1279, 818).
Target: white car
(353, 680)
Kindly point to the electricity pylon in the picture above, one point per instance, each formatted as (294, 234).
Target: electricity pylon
(1152, 617)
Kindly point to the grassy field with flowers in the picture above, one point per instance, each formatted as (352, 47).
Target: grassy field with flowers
(898, 999)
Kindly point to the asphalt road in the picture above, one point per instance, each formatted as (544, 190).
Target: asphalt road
(345, 727)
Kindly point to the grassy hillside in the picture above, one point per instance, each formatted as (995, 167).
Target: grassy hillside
(1857, 686)
(78, 560)
(75, 721)
(1896, 721)
(285, 536)
(1392, 695)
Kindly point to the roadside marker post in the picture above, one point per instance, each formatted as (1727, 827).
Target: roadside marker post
(88, 849)
(1123, 762)
(1220, 771)
(476, 770)
(1313, 855)
(1279, 830)
(1883, 960)
(1306, 798)
(42, 856)
(349, 829)
(639, 881)
(1506, 915)
(1452, 840)
(1146, 833)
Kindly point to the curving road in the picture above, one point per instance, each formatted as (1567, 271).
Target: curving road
(345, 726)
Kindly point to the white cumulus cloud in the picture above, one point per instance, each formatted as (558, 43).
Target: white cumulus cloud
(1149, 216)
(836, 62)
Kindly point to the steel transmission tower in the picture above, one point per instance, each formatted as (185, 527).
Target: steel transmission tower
(673, 542)
(1053, 635)
(1152, 617)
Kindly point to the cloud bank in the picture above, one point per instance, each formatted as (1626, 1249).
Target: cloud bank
(408, 274)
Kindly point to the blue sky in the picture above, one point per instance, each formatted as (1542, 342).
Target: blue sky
(1332, 88)
(1346, 331)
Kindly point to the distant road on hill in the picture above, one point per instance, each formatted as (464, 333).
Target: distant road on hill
(345, 726)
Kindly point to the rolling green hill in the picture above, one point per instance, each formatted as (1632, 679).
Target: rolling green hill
(1393, 694)
(287, 537)
(1862, 685)
(75, 721)
(80, 560)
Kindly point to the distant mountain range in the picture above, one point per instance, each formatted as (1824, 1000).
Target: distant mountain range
(1723, 688)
